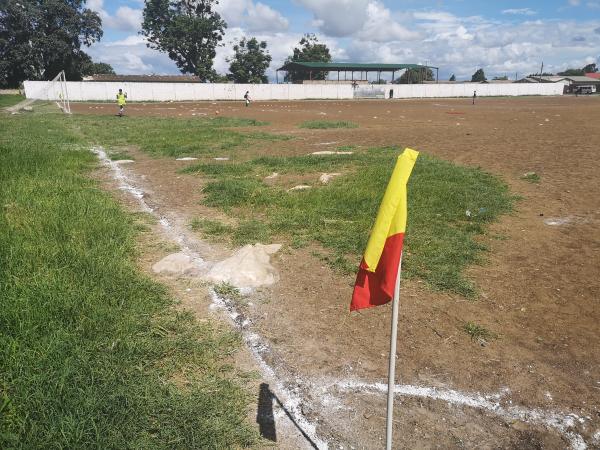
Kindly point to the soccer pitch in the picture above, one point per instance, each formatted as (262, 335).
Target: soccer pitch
(500, 273)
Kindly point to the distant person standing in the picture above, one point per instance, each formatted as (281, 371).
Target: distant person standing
(247, 98)
(474, 96)
(121, 97)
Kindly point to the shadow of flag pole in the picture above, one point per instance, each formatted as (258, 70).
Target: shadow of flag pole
(392, 370)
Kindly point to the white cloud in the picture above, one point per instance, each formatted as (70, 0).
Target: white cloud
(252, 16)
(132, 56)
(262, 17)
(520, 11)
(380, 27)
(337, 18)
(125, 18)
(574, 2)
(129, 41)
(232, 11)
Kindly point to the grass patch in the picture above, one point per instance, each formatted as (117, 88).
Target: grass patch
(92, 353)
(170, 137)
(212, 228)
(441, 236)
(236, 122)
(122, 155)
(532, 177)
(478, 332)
(301, 164)
(10, 100)
(325, 124)
(228, 291)
(250, 232)
(246, 232)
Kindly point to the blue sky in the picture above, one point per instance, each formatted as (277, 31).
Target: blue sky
(459, 36)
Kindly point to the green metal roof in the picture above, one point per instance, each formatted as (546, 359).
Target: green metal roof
(356, 67)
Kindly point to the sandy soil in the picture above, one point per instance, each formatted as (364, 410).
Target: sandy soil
(539, 289)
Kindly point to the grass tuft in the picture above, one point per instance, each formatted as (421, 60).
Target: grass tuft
(532, 177)
(326, 124)
(477, 332)
(211, 228)
(116, 155)
(228, 291)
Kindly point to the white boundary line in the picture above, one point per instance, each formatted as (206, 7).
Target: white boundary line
(562, 422)
(291, 400)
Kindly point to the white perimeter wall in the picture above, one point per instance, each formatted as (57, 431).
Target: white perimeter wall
(106, 91)
(81, 90)
(466, 90)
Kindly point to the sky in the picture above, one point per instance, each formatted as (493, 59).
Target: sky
(510, 38)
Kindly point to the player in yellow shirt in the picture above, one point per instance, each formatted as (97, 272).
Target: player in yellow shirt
(121, 97)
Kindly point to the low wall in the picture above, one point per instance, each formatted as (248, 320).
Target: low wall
(466, 90)
(106, 91)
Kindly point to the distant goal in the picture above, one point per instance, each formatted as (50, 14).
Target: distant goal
(57, 92)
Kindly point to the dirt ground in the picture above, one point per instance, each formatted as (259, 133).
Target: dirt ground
(539, 288)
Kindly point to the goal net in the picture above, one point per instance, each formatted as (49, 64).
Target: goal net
(57, 91)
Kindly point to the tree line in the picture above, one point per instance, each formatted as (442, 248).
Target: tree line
(39, 38)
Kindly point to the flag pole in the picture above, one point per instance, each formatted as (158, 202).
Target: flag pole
(392, 370)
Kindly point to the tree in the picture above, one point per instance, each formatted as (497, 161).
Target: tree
(189, 31)
(571, 73)
(478, 76)
(219, 78)
(38, 39)
(415, 76)
(590, 68)
(452, 78)
(250, 61)
(98, 69)
(310, 51)
(502, 78)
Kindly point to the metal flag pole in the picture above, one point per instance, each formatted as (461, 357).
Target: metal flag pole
(392, 371)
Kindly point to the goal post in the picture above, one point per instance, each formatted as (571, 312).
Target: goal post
(57, 91)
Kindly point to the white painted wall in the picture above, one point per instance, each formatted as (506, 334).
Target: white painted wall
(103, 91)
(466, 90)
(106, 91)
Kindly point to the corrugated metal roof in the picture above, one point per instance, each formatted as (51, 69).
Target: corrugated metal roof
(582, 79)
(356, 67)
(593, 75)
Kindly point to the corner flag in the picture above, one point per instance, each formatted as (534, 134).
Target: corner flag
(378, 270)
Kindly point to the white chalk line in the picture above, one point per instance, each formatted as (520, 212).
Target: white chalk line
(559, 421)
(256, 344)
(292, 400)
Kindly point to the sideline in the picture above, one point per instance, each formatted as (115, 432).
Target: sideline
(290, 401)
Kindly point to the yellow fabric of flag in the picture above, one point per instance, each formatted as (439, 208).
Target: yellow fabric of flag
(391, 219)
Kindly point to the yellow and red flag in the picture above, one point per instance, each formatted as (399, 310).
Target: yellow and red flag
(378, 270)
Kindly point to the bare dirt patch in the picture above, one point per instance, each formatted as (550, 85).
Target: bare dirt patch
(539, 288)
